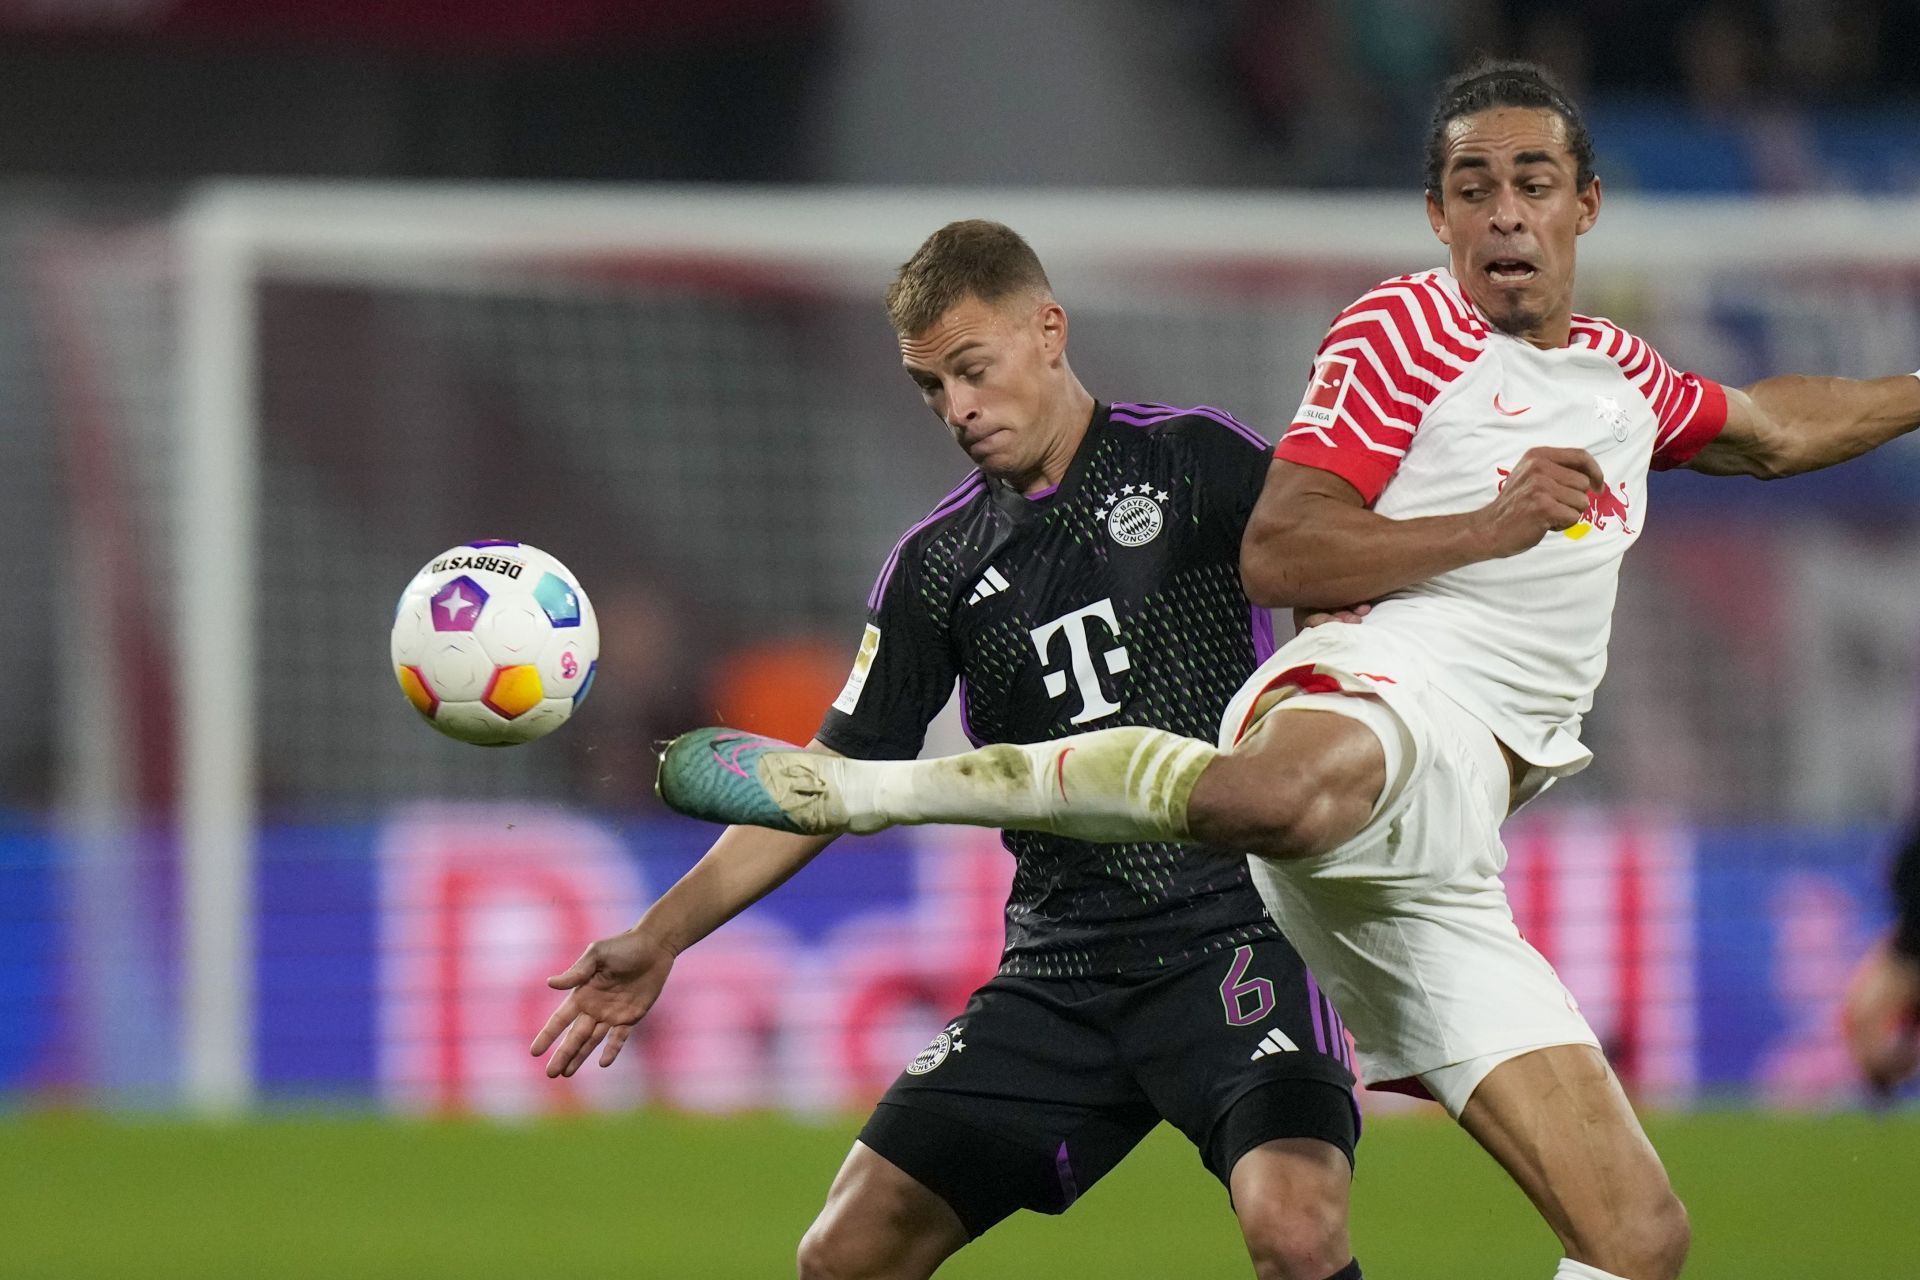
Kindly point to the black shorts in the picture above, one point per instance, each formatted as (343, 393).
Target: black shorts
(1042, 1085)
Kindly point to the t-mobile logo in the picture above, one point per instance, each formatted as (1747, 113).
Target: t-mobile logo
(1080, 658)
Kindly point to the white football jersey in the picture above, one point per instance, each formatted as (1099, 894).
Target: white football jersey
(1424, 408)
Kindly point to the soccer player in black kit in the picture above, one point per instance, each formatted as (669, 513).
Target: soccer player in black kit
(1087, 574)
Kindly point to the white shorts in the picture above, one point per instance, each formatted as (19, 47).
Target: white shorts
(1407, 925)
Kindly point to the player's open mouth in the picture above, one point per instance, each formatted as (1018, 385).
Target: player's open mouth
(1510, 271)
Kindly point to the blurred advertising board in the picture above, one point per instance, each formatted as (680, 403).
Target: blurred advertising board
(404, 963)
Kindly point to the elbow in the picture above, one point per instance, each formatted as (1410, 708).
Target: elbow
(1768, 463)
(1269, 568)
(1268, 589)
(1788, 447)
(1777, 465)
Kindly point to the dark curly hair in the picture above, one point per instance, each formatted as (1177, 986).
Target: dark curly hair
(1493, 84)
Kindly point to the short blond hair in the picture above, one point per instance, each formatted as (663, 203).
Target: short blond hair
(969, 259)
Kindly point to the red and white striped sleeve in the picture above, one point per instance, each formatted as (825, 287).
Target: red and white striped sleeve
(1384, 362)
(1689, 409)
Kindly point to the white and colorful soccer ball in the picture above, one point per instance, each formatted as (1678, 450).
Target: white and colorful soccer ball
(495, 643)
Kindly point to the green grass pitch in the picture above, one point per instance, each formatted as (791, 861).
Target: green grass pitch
(686, 1198)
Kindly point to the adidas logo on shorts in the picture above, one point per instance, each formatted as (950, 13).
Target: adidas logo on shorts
(1275, 1041)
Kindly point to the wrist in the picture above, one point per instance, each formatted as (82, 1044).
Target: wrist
(1479, 540)
(658, 935)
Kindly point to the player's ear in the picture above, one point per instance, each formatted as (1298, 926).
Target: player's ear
(1052, 323)
(1437, 219)
(1589, 207)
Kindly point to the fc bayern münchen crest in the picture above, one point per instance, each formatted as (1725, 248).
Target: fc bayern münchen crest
(934, 1054)
(1135, 521)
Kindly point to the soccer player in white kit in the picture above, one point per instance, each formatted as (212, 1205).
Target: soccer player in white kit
(1471, 456)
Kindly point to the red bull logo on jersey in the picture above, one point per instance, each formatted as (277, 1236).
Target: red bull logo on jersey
(1604, 510)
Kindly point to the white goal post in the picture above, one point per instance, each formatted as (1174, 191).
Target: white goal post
(1105, 249)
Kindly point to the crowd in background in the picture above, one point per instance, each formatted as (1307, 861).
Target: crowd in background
(1760, 96)
(1763, 96)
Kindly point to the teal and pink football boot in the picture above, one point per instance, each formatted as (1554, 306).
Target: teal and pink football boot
(725, 775)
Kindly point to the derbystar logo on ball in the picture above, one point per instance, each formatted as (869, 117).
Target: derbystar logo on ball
(495, 643)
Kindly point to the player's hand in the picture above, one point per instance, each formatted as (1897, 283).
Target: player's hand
(1547, 490)
(1882, 1016)
(1304, 618)
(610, 988)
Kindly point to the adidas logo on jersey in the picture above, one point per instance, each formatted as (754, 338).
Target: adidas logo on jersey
(1275, 1041)
(990, 584)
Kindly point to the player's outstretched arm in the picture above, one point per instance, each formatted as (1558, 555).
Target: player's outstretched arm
(1313, 544)
(1784, 426)
(614, 983)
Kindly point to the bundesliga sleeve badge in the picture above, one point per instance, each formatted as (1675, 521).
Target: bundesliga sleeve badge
(1329, 387)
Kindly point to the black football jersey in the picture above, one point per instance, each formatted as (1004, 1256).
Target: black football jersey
(1112, 599)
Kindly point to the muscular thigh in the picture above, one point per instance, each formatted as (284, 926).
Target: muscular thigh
(1020, 1102)
(881, 1221)
(1299, 783)
(1316, 748)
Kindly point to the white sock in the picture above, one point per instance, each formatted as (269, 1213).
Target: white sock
(1571, 1270)
(1121, 784)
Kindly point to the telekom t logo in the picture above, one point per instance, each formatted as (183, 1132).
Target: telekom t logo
(1076, 627)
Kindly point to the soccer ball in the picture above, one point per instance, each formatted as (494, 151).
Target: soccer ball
(495, 643)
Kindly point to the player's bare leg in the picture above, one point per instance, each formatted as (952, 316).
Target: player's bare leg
(878, 1224)
(1302, 783)
(1557, 1121)
(1290, 1196)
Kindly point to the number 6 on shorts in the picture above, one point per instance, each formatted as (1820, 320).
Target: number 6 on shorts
(1236, 988)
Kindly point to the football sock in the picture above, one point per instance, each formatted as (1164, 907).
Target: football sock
(1349, 1272)
(1113, 785)
(1571, 1270)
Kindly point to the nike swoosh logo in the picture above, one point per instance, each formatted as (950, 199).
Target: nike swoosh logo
(1060, 771)
(731, 760)
(1502, 409)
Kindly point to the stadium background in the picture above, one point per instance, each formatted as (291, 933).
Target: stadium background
(604, 277)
